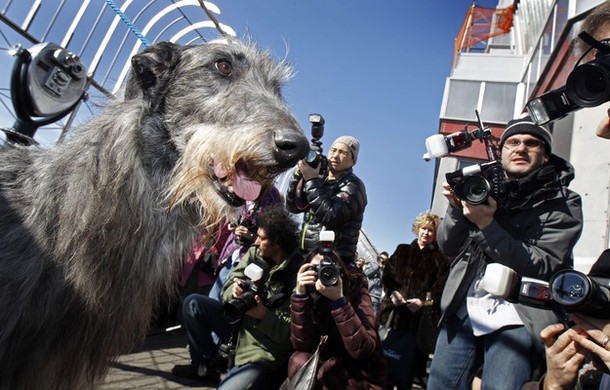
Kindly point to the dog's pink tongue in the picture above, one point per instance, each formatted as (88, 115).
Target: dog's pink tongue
(245, 187)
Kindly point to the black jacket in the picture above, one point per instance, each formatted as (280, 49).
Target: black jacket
(336, 205)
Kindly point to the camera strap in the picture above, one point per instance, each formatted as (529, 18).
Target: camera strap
(594, 43)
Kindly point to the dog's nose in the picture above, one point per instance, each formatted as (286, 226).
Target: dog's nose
(290, 146)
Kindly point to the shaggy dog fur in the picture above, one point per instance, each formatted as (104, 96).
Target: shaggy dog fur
(93, 230)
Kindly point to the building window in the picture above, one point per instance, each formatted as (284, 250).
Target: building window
(463, 99)
(498, 102)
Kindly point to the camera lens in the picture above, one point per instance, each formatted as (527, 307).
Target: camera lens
(589, 84)
(570, 288)
(235, 309)
(328, 275)
(312, 158)
(475, 189)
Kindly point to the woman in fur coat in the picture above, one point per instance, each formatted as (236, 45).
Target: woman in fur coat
(413, 281)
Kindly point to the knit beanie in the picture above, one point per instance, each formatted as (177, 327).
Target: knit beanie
(527, 126)
(352, 143)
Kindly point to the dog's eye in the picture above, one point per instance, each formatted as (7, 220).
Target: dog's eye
(224, 67)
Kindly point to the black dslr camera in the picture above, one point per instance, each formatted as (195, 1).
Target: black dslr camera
(475, 183)
(568, 291)
(588, 85)
(248, 224)
(328, 271)
(235, 308)
(316, 155)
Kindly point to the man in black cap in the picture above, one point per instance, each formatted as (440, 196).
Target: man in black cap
(533, 233)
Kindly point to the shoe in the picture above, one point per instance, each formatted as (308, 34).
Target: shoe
(201, 372)
(420, 381)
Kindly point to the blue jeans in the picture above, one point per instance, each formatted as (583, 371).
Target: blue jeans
(221, 278)
(507, 357)
(251, 376)
(202, 315)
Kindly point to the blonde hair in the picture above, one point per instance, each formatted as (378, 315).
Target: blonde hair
(425, 218)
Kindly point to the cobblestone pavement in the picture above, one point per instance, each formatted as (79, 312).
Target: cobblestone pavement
(149, 365)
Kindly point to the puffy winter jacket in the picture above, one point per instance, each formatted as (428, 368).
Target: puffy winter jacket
(336, 205)
(352, 357)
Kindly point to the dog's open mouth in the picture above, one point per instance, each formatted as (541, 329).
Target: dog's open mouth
(236, 186)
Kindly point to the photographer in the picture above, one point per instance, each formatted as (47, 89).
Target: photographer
(534, 234)
(566, 351)
(351, 357)
(579, 357)
(263, 346)
(241, 235)
(335, 202)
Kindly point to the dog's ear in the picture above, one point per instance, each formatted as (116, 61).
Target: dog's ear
(152, 70)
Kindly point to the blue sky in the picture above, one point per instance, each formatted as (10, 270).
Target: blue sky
(374, 70)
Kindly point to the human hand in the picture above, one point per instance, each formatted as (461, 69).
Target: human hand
(397, 298)
(307, 171)
(563, 358)
(237, 290)
(603, 128)
(333, 292)
(448, 193)
(306, 276)
(242, 233)
(596, 338)
(414, 304)
(480, 214)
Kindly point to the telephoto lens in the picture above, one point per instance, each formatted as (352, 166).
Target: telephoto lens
(579, 293)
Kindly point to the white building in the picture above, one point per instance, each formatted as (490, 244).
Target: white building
(498, 75)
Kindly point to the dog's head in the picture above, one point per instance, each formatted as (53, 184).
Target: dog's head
(224, 113)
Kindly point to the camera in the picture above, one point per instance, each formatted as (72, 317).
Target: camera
(227, 351)
(579, 293)
(328, 271)
(235, 308)
(568, 290)
(588, 85)
(316, 155)
(476, 183)
(248, 224)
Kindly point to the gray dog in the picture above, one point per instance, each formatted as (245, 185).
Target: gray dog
(93, 230)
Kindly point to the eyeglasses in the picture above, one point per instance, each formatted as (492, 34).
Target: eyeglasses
(530, 144)
(599, 53)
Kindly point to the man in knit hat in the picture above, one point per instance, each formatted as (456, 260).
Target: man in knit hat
(533, 233)
(335, 202)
